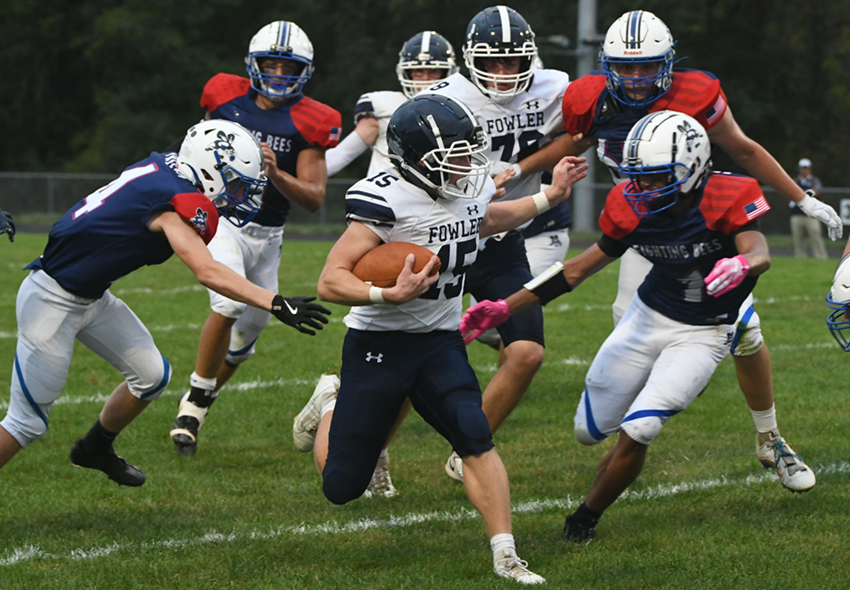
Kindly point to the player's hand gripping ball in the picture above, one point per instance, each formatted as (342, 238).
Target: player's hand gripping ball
(382, 265)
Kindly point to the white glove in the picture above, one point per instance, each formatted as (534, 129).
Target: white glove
(822, 212)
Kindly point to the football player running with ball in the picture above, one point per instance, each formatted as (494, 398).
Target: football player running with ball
(637, 57)
(519, 108)
(168, 203)
(294, 132)
(700, 232)
(403, 341)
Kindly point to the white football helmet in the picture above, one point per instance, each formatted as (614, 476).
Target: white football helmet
(424, 51)
(638, 37)
(225, 162)
(499, 32)
(838, 300)
(280, 40)
(668, 143)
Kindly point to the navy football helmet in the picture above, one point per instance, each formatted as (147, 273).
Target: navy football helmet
(664, 143)
(436, 143)
(424, 51)
(637, 38)
(499, 32)
(280, 40)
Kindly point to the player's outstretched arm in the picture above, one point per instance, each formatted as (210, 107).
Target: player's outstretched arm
(546, 158)
(298, 312)
(7, 225)
(758, 162)
(338, 284)
(364, 136)
(307, 189)
(504, 216)
(560, 278)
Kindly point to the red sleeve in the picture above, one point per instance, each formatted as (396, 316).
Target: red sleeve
(223, 88)
(199, 212)
(319, 124)
(618, 219)
(729, 202)
(694, 93)
(580, 101)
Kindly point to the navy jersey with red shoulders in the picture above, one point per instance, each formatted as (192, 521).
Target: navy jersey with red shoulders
(590, 109)
(684, 250)
(288, 128)
(105, 236)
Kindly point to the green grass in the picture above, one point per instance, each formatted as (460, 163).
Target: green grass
(248, 512)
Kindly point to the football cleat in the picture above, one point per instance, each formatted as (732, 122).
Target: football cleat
(115, 467)
(184, 431)
(307, 421)
(454, 467)
(381, 484)
(514, 568)
(775, 453)
(579, 530)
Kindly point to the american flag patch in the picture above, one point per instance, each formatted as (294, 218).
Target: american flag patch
(757, 208)
(335, 134)
(714, 114)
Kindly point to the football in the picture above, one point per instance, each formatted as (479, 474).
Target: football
(381, 266)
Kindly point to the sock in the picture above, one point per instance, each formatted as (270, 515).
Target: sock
(98, 440)
(385, 453)
(503, 545)
(765, 420)
(203, 392)
(585, 515)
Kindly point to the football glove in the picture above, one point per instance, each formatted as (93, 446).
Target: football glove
(481, 317)
(726, 275)
(822, 212)
(299, 313)
(7, 225)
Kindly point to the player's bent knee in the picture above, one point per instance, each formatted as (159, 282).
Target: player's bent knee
(749, 343)
(341, 487)
(472, 423)
(236, 358)
(643, 430)
(227, 307)
(525, 356)
(583, 435)
(24, 429)
(149, 387)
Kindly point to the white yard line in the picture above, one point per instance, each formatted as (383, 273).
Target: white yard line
(17, 555)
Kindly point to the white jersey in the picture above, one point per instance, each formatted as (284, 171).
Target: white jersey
(381, 105)
(518, 128)
(398, 211)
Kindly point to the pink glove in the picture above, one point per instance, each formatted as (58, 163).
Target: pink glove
(726, 275)
(481, 317)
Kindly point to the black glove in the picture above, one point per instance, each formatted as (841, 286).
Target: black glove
(298, 311)
(7, 225)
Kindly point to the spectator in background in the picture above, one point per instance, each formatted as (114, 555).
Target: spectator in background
(802, 224)
(7, 225)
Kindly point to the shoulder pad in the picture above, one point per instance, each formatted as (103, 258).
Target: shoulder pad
(319, 124)
(695, 93)
(380, 105)
(730, 201)
(580, 100)
(618, 219)
(199, 212)
(223, 88)
(365, 204)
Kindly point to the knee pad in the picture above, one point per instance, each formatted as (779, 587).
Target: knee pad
(151, 386)
(342, 486)
(583, 435)
(236, 357)
(643, 430)
(748, 337)
(472, 422)
(24, 427)
(226, 307)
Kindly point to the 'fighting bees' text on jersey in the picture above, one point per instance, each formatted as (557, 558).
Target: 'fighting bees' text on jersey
(518, 128)
(380, 105)
(288, 128)
(683, 250)
(398, 211)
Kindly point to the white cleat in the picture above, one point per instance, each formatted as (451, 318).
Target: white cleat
(454, 467)
(307, 421)
(381, 484)
(514, 568)
(775, 453)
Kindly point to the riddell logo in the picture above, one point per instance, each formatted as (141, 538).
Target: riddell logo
(633, 52)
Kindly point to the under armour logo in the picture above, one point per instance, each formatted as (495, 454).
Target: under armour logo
(532, 105)
(472, 209)
(377, 357)
(556, 241)
(199, 221)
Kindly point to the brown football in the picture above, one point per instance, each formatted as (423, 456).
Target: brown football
(382, 265)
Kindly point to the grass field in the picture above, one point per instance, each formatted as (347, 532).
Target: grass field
(248, 512)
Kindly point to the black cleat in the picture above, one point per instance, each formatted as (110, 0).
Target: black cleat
(116, 468)
(579, 530)
(184, 434)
